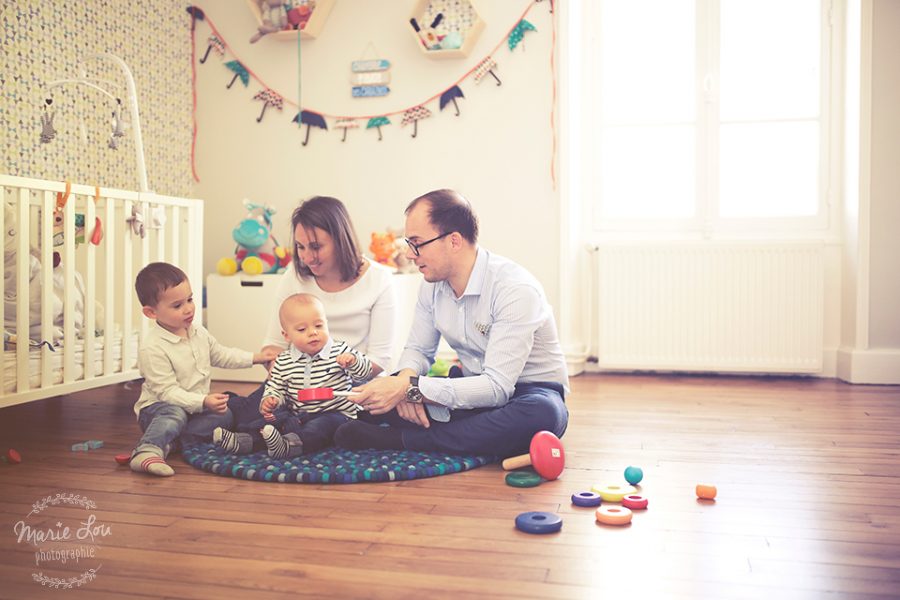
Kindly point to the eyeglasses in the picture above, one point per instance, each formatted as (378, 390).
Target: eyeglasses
(415, 247)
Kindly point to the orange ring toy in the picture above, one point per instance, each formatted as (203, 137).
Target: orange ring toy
(613, 515)
(613, 493)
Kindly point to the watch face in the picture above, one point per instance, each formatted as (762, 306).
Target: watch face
(414, 395)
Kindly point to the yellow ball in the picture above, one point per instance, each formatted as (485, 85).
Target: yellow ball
(252, 265)
(226, 266)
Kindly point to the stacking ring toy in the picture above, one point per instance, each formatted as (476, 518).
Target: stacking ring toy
(538, 522)
(633, 475)
(317, 394)
(123, 459)
(634, 501)
(586, 499)
(613, 515)
(523, 479)
(613, 493)
(707, 492)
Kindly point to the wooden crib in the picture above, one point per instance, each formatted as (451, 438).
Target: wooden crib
(76, 325)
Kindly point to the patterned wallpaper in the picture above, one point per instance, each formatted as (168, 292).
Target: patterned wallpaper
(45, 40)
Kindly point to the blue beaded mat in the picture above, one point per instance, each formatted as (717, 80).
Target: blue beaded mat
(333, 465)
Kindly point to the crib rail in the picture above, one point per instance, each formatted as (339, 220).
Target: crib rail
(62, 342)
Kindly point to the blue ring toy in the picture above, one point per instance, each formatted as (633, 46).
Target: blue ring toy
(538, 522)
(586, 499)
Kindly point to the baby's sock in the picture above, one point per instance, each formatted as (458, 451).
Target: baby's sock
(147, 462)
(235, 443)
(278, 446)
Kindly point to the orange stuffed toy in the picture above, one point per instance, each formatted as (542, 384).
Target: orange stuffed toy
(383, 249)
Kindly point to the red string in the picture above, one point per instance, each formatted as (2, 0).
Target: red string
(194, 97)
(382, 114)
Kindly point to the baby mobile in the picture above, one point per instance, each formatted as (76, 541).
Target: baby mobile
(369, 78)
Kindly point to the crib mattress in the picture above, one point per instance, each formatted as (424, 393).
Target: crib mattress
(10, 368)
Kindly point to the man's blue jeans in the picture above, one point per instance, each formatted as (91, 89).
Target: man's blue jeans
(501, 432)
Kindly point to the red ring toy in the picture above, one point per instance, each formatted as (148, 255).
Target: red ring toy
(634, 501)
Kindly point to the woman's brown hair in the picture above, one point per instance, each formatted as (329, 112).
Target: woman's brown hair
(330, 215)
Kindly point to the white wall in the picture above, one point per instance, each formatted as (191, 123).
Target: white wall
(497, 152)
(870, 344)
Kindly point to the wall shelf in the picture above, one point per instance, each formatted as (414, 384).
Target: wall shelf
(320, 9)
(458, 17)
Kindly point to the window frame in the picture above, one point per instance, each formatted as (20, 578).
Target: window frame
(707, 223)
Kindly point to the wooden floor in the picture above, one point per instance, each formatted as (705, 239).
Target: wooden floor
(808, 473)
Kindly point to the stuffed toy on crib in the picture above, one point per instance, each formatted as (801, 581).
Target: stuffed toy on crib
(257, 251)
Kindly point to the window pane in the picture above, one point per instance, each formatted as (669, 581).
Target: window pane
(647, 63)
(769, 62)
(769, 170)
(647, 172)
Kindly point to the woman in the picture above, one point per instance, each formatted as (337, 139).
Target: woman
(357, 292)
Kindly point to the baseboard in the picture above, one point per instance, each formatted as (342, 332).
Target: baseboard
(880, 367)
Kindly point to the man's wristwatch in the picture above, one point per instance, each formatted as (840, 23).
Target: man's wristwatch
(413, 393)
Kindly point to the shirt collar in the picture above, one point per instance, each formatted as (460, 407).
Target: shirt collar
(298, 354)
(167, 335)
(476, 277)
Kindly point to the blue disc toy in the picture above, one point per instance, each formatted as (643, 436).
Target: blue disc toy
(586, 499)
(538, 522)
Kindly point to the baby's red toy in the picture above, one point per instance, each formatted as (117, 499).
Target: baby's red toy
(546, 455)
(325, 393)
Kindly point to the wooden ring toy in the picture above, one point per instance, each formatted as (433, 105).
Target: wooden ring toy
(586, 499)
(538, 522)
(317, 394)
(13, 457)
(613, 493)
(613, 515)
(523, 479)
(634, 501)
(123, 459)
(545, 454)
(706, 491)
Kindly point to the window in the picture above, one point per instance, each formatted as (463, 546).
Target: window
(706, 114)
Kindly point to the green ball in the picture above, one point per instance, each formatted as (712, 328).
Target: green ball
(633, 475)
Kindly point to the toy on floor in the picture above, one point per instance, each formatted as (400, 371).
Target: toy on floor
(546, 455)
(586, 499)
(257, 251)
(538, 522)
(88, 445)
(634, 502)
(613, 515)
(12, 457)
(123, 459)
(613, 493)
(706, 491)
(523, 479)
(633, 475)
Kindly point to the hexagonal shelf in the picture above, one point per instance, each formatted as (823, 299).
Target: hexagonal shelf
(308, 15)
(445, 28)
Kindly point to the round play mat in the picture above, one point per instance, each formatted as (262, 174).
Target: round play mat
(333, 465)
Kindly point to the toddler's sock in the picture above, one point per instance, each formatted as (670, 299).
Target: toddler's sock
(235, 443)
(147, 462)
(281, 446)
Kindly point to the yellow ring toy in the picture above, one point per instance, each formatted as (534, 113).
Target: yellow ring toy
(613, 515)
(613, 493)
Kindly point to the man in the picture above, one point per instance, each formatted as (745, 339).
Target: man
(493, 313)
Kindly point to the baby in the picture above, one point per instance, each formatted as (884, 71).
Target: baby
(287, 426)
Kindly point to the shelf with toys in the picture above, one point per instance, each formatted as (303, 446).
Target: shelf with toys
(281, 19)
(445, 28)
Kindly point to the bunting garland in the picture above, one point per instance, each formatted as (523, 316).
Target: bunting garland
(409, 115)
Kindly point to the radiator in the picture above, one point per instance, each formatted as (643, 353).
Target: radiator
(711, 307)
